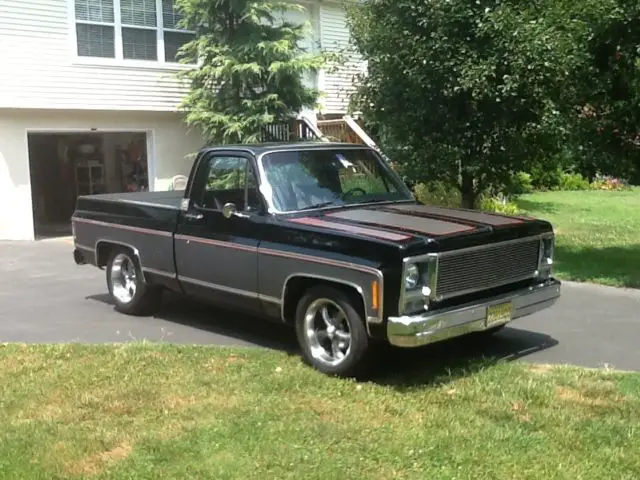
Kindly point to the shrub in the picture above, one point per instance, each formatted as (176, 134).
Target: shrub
(543, 179)
(546, 179)
(573, 181)
(519, 184)
(499, 204)
(605, 182)
(438, 193)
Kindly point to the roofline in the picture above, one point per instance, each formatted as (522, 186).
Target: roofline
(262, 148)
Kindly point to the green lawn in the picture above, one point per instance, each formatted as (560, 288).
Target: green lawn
(151, 412)
(598, 234)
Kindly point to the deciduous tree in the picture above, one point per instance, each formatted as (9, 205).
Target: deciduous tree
(469, 92)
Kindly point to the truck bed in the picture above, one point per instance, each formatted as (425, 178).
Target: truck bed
(169, 200)
(145, 221)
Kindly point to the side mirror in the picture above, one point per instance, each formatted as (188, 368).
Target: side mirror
(230, 209)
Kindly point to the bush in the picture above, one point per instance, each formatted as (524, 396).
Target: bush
(557, 179)
(603, 182)
(519, 184)
(498, 204)
(573, 181)
(544, 179)
(438, 193)
(442, 195)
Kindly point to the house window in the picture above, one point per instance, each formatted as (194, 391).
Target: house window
(129, 30)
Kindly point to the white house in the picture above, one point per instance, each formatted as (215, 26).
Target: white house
(88, 102)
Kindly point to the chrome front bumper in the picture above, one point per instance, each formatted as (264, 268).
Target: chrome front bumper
(431, 327)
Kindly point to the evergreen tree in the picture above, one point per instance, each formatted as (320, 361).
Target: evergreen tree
(250, 67)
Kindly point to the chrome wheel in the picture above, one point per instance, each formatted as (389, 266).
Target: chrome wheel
(124, 279)
(327, 332)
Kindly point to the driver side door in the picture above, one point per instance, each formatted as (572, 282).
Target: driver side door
(217, 257)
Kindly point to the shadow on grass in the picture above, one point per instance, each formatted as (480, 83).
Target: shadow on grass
(399, 368)
(444, 361)
(617, 266)
(538, 207)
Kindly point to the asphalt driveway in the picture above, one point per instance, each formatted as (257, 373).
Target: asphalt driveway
(46, 298)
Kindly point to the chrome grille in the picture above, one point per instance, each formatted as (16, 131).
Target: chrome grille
(486, 267)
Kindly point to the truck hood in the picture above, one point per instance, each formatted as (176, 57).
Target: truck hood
(414, 226)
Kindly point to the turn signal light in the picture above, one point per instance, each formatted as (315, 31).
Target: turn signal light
(375, 295)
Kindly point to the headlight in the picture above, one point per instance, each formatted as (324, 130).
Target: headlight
(547, 251)
(412, 277)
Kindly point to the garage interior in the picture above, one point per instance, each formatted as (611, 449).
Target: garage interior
(66, 165)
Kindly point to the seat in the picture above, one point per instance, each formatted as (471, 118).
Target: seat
(179, 182)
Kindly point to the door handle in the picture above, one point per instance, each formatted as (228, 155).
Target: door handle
(194, 217)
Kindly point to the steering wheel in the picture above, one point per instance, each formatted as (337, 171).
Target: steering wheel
(354, 189)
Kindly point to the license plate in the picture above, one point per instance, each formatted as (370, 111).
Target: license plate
(498, 314)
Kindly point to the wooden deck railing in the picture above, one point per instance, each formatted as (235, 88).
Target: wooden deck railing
(296, 130)
(338, 131)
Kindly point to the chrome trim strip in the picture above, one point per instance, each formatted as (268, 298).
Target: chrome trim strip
(460, 293)
(376, 319)
(86, 248)
(543, 237)
(149, 231)
(215, 286)
(322, 260)
(436, 256)
(135, 251)
(216, 243)
(485, 246)
(160, 273)
(418, 330)
(267, 251)
(432, 265)
(133, 202)
(269, 299)
(263, 177)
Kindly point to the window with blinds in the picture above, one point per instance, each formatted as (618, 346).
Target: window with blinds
(148, 30)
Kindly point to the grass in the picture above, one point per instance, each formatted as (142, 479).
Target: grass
(598, 234)
(147, 412)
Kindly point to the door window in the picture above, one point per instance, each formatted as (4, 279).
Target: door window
(229, 180)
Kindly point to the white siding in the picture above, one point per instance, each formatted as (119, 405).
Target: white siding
(170, 154)
(38, 68)
(339, 84)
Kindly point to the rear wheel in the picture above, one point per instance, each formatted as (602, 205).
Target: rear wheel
(127, 288)
(331, 332)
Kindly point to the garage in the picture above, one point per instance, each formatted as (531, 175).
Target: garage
(64, 165)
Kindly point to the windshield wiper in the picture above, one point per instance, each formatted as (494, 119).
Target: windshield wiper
(376, 200)
(320, 205)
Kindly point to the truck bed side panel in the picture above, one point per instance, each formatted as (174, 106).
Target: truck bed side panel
(146, 228)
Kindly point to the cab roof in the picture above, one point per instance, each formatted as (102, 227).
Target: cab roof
(261, 148)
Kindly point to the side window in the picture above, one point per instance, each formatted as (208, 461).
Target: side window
(228, 180)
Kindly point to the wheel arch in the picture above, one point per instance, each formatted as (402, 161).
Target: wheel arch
(104, 248)
(296, 284)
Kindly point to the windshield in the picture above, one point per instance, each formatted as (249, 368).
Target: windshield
(306, 179)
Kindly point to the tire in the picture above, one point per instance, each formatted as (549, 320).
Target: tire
(317, 347)
(137, 297)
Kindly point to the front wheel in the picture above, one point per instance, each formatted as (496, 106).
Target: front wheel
(127, 288)
(331, 332)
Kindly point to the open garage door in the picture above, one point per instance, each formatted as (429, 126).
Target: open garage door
(65, 165)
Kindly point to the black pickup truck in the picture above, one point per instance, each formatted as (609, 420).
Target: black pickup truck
(322, 236)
